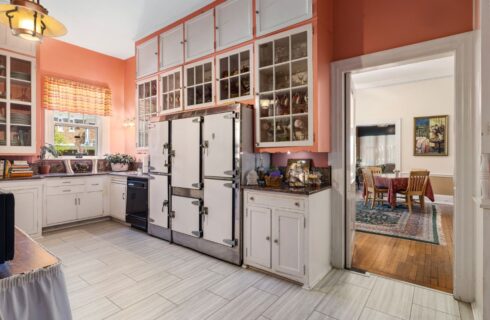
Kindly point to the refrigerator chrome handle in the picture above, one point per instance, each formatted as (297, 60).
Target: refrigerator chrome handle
(231, 185)
(151, 220)
(198, 185)
(197, 202)
(165, 146)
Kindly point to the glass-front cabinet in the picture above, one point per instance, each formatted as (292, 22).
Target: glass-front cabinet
(17, 104)
(199, 84)
(235, 75)
(147, 108)
(284, 79)
(171, 91)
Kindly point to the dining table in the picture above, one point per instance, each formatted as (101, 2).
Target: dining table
(396, 183)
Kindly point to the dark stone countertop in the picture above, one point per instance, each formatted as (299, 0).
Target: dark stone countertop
(85, 174)
(287, 189)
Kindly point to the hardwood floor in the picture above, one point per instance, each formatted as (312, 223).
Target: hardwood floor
(421, 263)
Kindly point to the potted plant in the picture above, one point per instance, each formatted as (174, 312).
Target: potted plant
(47, 148)
(119, 162)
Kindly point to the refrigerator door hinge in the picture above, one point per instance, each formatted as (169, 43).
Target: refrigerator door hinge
(231, 185)
(232, 243)
(204, 211)
(171, 153)
(198, 120)
(198, 185)
(231, 172)
(233, 115)
(151, 220)
(171, 214)
(205, 144)
(165, 145)
(197, 202)
(197, 234)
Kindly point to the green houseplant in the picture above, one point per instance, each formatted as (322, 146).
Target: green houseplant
(119, 162)
(47, 148)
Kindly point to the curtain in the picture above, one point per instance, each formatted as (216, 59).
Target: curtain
(76, 97)
(377, 150)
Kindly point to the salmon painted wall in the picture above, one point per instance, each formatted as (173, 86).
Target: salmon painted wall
(68, 61)
(366, 26)
(130, 103)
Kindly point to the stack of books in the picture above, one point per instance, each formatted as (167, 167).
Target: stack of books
(20, 168)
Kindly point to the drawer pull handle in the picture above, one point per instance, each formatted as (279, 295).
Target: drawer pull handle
(276, 241)
(252, 198)
(296, 204)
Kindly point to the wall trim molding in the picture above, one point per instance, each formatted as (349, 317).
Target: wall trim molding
(462, 47)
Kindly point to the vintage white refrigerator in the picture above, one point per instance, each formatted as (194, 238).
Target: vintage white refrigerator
(209, 148)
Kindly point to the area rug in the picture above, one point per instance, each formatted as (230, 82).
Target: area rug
(419, 225)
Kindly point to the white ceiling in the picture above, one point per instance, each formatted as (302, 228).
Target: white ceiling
(411, 72)
(112, 26)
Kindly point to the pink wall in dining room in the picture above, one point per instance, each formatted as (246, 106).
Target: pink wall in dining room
(320, 159)
(129, 104)
(61, 59)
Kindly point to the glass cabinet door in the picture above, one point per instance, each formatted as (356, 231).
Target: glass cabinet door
(171, 88)
(147, 107)
(234, 75)
(283, 89)
(199, 84)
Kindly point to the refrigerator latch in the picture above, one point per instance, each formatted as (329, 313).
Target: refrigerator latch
(233, 115)
(197, 234)
(231, 173)
(205, 144)
(172, 153)
(198, 185)
(197, 202)
(230, 242)
(165, 146)
(231, 185)
(171, 214)
(204, 211)
(198, 120)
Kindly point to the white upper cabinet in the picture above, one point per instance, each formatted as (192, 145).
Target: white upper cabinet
(233, 23)
(147, 58)
(273, 15)
(199, 36)
(172, 48)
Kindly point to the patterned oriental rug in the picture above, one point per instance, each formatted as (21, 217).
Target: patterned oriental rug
(419, 225)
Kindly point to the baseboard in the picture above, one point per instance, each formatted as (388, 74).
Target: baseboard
(476, 313)
(443, 199)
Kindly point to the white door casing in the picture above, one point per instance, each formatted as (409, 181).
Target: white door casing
(218, 153)
(217, 222)
(350, 169)
(158, 201)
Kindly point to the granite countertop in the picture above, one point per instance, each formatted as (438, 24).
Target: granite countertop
(85, 174)
(287, 189)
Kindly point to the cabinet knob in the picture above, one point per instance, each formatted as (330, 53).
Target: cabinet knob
(296, 204)
(268, 238)
(252, 198)
(276, 241)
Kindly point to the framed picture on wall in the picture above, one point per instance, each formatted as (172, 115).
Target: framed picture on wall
(431, 136)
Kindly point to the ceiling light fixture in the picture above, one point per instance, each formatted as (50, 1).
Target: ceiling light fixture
(29, 20)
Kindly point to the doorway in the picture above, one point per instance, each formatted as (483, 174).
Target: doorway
(403, 119)
(343, 160)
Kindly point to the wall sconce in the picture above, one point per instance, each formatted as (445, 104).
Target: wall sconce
(129, 123)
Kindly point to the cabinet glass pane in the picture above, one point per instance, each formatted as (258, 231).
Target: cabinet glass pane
(245, 85)
(265, 54)
(20, 136)
(153, 88)
(299, 73)
(177, 99)
(281, 50)
(234, 65)
(3, 66)
(165, 84)
(199, 94)
(171, 100)
(170, 82)
(300, 124)
(3, 88)
(190, 96)
(3, 135)
(20, 90)
(300, 100)
(153, 105)
(199, 75)
(266, 80)
(267, 130)
(299, 46)
(190, 77)
(3, 112)
(20, 114)
(223, 67)
(20, 69)
(282, 77)
(177, 80)
(266, 104)
(223, 89)
(234, 87)
(208, 77)
(164, 102)
(283, 129)
(244, 61)
(141, 91)
(147, 89)
(208, 92)
(283, 103)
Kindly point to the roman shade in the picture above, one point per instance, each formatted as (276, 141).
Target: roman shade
(76, 97)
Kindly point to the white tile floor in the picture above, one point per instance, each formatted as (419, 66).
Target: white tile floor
(114, 272)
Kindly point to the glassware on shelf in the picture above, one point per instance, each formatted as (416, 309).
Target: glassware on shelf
(208, 93)
(267, 130)
(177, 80)
(3, 66)
(266, 80)
(299, 45)
(20, 114)
(300, 100)
(299, 73)
(282, 103)
(171, 82)
(190, 77)
(300, 128)
(3, 88)
(3, 112)
(245, 85)
(281, 50)
(266, 104)
(190, 96)
(177, 99)
(153, 88)
(234, 87)
(165, 102)
(20, 136)
(20, 91)
(234, 65)
(3, 134)
(245, 61)
(265, 54)
(282, 77)
(199, 95)
(283, 129)
(223, 67)
(20, 69)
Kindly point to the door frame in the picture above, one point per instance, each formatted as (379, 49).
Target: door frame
(462, 46)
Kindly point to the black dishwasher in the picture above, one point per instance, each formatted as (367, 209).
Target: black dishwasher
(137, 203)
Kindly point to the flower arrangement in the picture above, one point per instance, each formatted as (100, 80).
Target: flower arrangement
(119, 161)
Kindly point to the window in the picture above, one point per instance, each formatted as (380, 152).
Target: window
(146, 108)
(76, 133)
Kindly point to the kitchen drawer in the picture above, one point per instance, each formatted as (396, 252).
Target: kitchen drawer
(64, 190)
(57, 182)
(96, 184)
(279, 201)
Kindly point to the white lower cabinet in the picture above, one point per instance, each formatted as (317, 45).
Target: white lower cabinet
(118, 195)
(28, 205)
(61, 207)
(90, 205)
(288, 235)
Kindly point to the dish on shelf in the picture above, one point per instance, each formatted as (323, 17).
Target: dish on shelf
(16, 75)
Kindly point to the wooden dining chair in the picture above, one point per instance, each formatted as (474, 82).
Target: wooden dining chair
(417, 185)
(373, 192)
